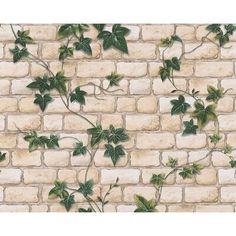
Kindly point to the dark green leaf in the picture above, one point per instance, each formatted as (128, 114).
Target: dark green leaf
(227, 149)
(157, 180)
(98, 134)
(114, 152)
(23, 38)
(176, 38)
(223, 39)
(190, 128)
(80, 149)
(166, 42)
(40, 83)
(190, 171)
(114, 79)
(59, 190)
(117, 135)
(58, 82)
(215, 138)
(71, 29)
(86, 188)
(78, 96)
(35, 141)
(19, 53)
(2, 156)
(215, 28)
(173, 63)
(164, 73)
(232, 163)
(214, 93)
(172, 162)
(84, 45)
(42, 100)
(52, 142)
(83, 210)
(230, 28)
(65, 52)
(68, 202)
(144, 205)
(99, 27)
(179, 105)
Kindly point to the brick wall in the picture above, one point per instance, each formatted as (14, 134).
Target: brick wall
(142, 108)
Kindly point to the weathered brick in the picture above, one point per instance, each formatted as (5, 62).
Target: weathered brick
(14, 208)
(201, 84)
(169, 122)
(69, 176)
(156, 32)
(214, 208)
(157, 141)
(95, 105)
(185, 32)
(19, 86)
(219, 159)
(11, 69)
(115, 194)
(1, 194)
(115, 120)
(141, 51)
(39, 176)
(5, 87)
(10, 176)
(153, 68)
(52, 122)
(169, 53)
(225, 104)
(133, 33)
(126, 208)
(42, 32)
(171, 194)
(227, 122)
(27, 105)
(7, 140)
(68, 140)
(6, 32)
(121, 90)
(191, 141)
(25, 158)
(147, 104)
(2, 122)
(181, 156)
(186, 70)
(134, 69)
(147, 192)
(207, 176)
(230, 85)
(140, 86)
(201, 157)
(111, 54)
(231, 138)
(181, 208)
(226, 176)
(69, 68)
(145, 158)
(50, 50)
(8, 104)
(73, 122)
(228, 194)
(92, 174)
(39, 208)
(80, 161)
(202, 32)
(56, 158)
(228, 52)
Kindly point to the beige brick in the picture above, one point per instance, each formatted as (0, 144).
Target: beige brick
(10, 176)
(50, 50)
(1, 194)
(147, 174)
(229, 84)
(231, 138)
(220, 159)
(132, 69)
(7, 140)
(1, 50)
(171, 194)
(202, 32)
(201, 157)
(27, 105)
(126, 176)
(19, 86)
(21, 194)
(32, 48)
(156, 32)
(214, 69)
(145, 158)
(147, 104)
(201, 84)
(95, 69)
(140, 86)
(42, 32)
(39, 176)
(225, 104)
(115, 194)
(25, 158)
(130, 192)
(14, 208)
(206, 51)
(92, 174)
(69, 176)
(181, 156)
(153, 68)
(95, 52)
(181, 208)
(73, 122)
(191, 141)
(39, 208)
(52, 122)
(186, 70)
(95, 105)
(126, 208)
(134, 32)
(174, 51)
(121, 90)
(68, 140)
(214, 208)
(24, 122)
(141, 51)
(170, 123)
(2, 122)
(142, 122)
(11, 69)
(56, 158)
(8, 104)
(80, 160)
(115, 120)
(101, 160)
(6, 32)
(227, 122)
(37, 70)
(160, 87)
(228, 52)
(111, 54)
(201, 194)
(158, 141)
(207, 176)
(7, 158)
(227, 176)
(69, 68)
(86, 85)
(228, 194)
(185, 32)
(5, 86)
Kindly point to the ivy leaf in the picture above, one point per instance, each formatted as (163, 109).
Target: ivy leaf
(143, 205)
(190, 128)
(117, 135)
(99, 27)
(179, 105)
(227, 149)
(114, 152)
(176, 38)
(42, 100)
(215, 28)
(173, 63)
(80, 149)
(214, 93)
(19, 53)
(23, 38)
(78, 96)
(215, 138)
(34, 141)
(84, 45)
(58, 82)
(157, 180)
(166, 42)
(232, 163)
(68, 201)
(164, 73)
(204, 114)
(190, 171)
(40, 83)
(86, 188)
(114, 79)
(223, 39)
(172, 162)
(52, 142)
(67, 30)
(83, 210)
(230, 28)
(2, 156)
(59, 190)
(64, 52)
(98, 134)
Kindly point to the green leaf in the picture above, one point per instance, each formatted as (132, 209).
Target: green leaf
(215, 138)
(98, 134)
(68, 202)
(190, 171)
(58, 82)
(78, 96)
(144, 205)
(84, 45)
(23, 38)
(157, 180)
(86, 188)
(52, 142)
(114, 79)
(166, 42)
(42, 100)
(19, 53)
(190, 128)
(114, 152)
(179, 105)
(2, 156)
(35, 141)
(40, 83)
(173, 63)
(215, 28)
(83, 210)
(99, 27)
(227, 149)
(65, 52)
(59, 190)
(117, 135)
(67, 30)
(230, 28)
(214, 93)
(80, 149)
(204, 114)
(223, 39)
(164, 73)
(176, 38)
(232, 163)
(172, 162)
